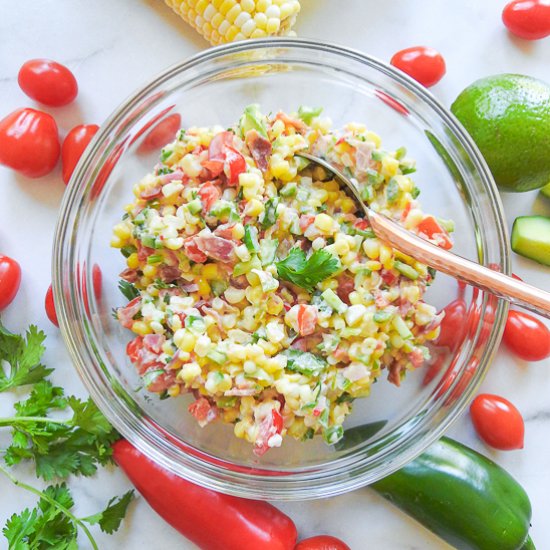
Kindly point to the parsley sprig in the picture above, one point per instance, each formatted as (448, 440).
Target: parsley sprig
(306, 273)
(61, 435)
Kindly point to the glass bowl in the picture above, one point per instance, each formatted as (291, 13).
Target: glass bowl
(387, 429)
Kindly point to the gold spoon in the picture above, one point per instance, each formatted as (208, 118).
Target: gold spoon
(515, 291)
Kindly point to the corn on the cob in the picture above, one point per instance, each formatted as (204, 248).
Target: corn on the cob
(222, 21)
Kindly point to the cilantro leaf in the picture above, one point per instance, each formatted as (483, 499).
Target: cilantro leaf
(128, 290)
(52, 524)
(46, 526)
(306, 273)
(109, 519)
(19, 527)
(76, 445)
(23, 356)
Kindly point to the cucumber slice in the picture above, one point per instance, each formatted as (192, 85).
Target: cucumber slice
(531, 238)
(545, 191)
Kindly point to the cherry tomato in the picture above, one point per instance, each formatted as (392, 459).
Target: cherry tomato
(322, 542)
(497, 422)
(73, 146)
(528, 19)
(48, 82)
(29, 142)
(453, 326)
(50, 307)
(10, 279)
(425, 65)
(526, 336)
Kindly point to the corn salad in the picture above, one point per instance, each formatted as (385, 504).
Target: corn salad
(255, 285)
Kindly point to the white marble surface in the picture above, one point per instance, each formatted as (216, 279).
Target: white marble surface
(114, 47)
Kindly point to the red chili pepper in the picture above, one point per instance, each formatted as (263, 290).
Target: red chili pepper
(211, 520)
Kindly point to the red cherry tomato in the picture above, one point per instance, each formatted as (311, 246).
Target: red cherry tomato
(48, 82)
(10, 280)
(29, 142)
(526, 336)
(425, 65)
(497, 422)
(528, 19)
(73, 146)
(322, 542)
(453, 326)
(50, 307)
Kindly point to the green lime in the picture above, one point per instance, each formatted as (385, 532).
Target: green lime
(508, 116)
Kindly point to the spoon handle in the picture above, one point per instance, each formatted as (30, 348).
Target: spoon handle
(516, 292)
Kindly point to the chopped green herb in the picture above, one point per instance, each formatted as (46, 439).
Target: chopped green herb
(129, 291)
(306, 273)
(181, 134)
(164, 170)
(415, 192)
(128, 250)
(165, 154)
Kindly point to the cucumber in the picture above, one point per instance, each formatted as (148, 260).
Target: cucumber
(531, 238)
(545, 191)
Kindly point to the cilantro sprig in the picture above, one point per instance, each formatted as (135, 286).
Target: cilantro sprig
(52, 524)
(306, 273)
(61, 435)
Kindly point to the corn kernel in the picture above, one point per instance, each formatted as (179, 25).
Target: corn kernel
(132, 261)
(253, 208)
(150, 271)
(324, 223)
(204, 287)
(116, 242)
(189, 372)
(237, 231)
(141, 328)
(122, 231)
(184, 340)
(210, 271)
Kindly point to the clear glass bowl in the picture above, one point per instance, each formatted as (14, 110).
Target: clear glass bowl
(213, 88)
